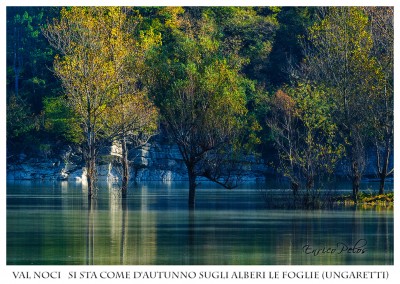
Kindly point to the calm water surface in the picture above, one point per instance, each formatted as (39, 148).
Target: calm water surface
(54, 224)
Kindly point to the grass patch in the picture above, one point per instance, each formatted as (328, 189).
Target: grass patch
(368, 199)
(317, 199)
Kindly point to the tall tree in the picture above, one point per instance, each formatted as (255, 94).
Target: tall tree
(381, 110)
(131, 117)
(85, 71)
(201, 96)
(340, 58)
(305, 134)
(101, 67)
(283, 121)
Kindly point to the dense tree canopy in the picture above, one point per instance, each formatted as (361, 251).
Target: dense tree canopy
(341, 57)
(98, 64)
(303, 86)
(200, 93)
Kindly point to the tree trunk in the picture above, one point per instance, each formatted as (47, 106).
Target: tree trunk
(310, 182)
(125, 168)
(356, 180)
(382, 184)
(384, 172)
(357, 161)
(91, 173)
(192, 187)
(91, 164)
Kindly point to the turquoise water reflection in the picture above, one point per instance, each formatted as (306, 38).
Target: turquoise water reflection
(55, 224)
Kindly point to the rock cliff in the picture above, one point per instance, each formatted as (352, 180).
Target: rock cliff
(153, 162)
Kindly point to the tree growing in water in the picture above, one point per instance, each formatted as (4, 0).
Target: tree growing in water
(340, 58)
(201, 97)
(131, 118)
(304, 133)
(381, 110)
(95, 68)
(84, 71)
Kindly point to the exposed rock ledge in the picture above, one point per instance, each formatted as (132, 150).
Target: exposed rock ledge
(153, 162)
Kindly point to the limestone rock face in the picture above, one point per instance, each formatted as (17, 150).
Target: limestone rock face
(157, 161)
(36, 170)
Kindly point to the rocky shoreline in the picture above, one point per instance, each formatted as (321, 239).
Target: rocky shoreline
(156, 161)
(152, 162)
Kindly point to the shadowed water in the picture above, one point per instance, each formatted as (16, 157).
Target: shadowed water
(54, 224)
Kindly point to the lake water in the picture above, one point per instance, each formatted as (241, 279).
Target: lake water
(54, 224)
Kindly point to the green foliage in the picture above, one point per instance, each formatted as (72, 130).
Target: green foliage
(304, 133)
(342, 58)
(29, 56)
(214, 73)
(314, 109)
(60, 120)
(19, 118)
(29, 78)
(201, 95)
(250, 32)
(287, 51)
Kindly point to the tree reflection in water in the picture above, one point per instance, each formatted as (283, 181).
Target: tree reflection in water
(90, 232)
(152, 225)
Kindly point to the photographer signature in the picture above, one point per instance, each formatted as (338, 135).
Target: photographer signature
(359, 247)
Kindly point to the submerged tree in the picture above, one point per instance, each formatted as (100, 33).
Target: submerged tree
(340, 58)
(85, 71)
(131, 118)
(100, 65)
(305, 134)
(381, 99)
(201, 96)
(284, 122)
